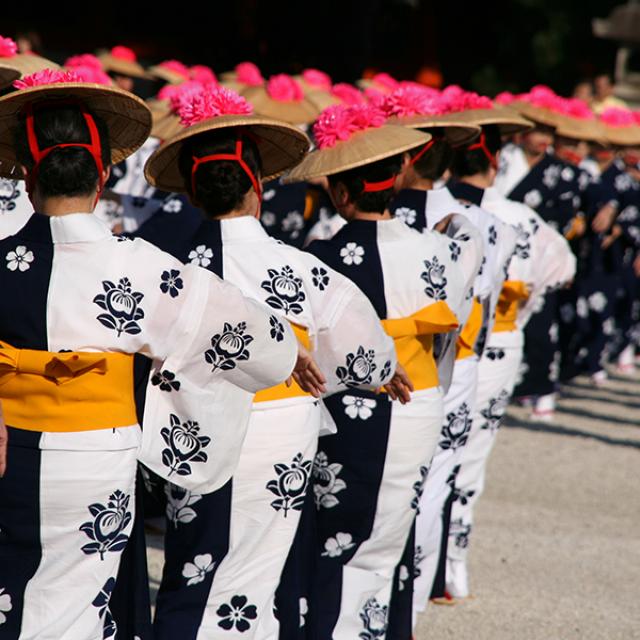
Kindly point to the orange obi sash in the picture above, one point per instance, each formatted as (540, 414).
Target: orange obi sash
(281, 391)
(513, 292)
(413, 337)
(67, 391)
(469, 334)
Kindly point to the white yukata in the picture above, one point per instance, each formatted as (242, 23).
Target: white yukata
(542, 261)
(423, 210)
(67, 501)
(246, 529)
(369, 476)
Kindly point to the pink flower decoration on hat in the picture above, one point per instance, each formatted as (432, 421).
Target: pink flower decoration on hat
(505, 97)
(46, 76)
(412, 101)
(457, 99)
(339, 122)
(177, 67)
(124, 53)
(203, 74)
(375, 97)
(544, 97)
(386, 81)
(211, 103)
(576, 108)
(348, 93)
(178, 94)
(84, 60)
(249, 74)
(8, 48)
(93, 75)
(636, 117)
(284, 88)
(317, 79)
(617, 117)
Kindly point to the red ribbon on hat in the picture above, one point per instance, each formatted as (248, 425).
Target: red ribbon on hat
(482, 145)
(383, 185)
(422, 151)
(94, 147)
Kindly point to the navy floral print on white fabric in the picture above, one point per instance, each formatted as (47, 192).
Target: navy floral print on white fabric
(166, 380)
(106, 530)
(455, 431)
(237, 614)
(171, 282)
(9, 193)
(320, 278)
(285, 289)
(276, 330)
(184, 446)
(435, 279)
(291, 484)
(122, 305)
(101, 601)
(229, 347)
(358, 369)
(418, 488)
(374, 618)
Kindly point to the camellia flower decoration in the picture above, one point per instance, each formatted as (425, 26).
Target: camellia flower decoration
(347, 93)
(617, 117)
(249, 74)
(46, 76)
(84, 60)
(203, 74)
(317, 79)
(412, 100)
(8, 48)
(457, 99)
(284, 88)
(339, 122)
(210, 103)
(177, 67)
(124, 53)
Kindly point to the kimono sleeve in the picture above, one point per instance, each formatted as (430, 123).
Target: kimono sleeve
(219, 349)
(352, 349)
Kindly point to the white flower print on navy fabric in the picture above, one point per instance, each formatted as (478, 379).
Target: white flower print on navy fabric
(122, 306)
(196, 571)
(567, 174)
(582, 307)
(166, 380)
(374, 618)
(179, 504)
(101, 601)
(455, 430)
(303, 608)
(286, 290)
(237, 614)
(567, 313)
(494, 412)
(407, 215)
(435, 279)
(290, 485)
(19, 259)
(554, 367)
(276, 330)
(358, 369)
(320, 278)
(356, 407)
(629, 214)
(184, 445)
(172, 205)
(554, 332)
(8, 194)
(551, 175)
(623, 182)
(352, 254)
(5, 605)
(293, 223)
(229, 347)
(171, 282)
(200, 256)
(403, 576)
(597, 301)
(106, 530)
(268, 218)
(326, 481)
(418, 488)
(609, 326)
(268, 194)
(335, 547)
(533, 198)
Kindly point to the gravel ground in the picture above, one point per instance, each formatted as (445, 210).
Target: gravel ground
(556, 549)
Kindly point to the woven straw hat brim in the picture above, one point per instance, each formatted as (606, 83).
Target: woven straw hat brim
(294, 112)
(112, 64)
(127, 117)
(22, 64)
(281, 146)
(322, 99)
(157, 71)
(166, 127)
(456, 131)
(538, 115)
(362, 148)
(508, 121)
(159, 108)
(580, 129)
(622, 136)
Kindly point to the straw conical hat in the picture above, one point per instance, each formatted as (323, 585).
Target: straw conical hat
(122, 66)
(589, 130)
(457, 130)
(302, 111)
(507, 120)
(22, 64)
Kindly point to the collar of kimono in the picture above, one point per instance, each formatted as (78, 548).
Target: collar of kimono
(68, 391)
(482, 145)
(235, 157)
(94, 147)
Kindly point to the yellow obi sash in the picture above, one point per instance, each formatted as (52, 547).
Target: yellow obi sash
(413, 337)
(467, 338)
(513, 292)
(68, 391)
(281, 391)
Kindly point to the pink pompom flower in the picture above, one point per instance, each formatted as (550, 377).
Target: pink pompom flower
(84, 60)
(386, 81)
(8, 48)
(505, 98)
(210, 103)
(347, 93)
(93, 75)
(203, 74)
(46, 76)
(317, 79)
(284, 88)
(413, 100)
(176, 66)
(249, 74)
(576, 108)
(339, 122)
(124, 53)
(617, 117)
